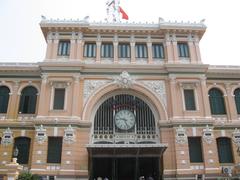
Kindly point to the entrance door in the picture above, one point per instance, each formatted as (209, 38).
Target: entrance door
(125, 168)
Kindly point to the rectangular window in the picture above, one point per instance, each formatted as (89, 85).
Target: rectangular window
(54, 153)
(107, 50)
(59, 97)
(183, 50)
(141, 51)
(189, 99)
(90, 50)
(124, 50)
(158, 51)
(64, 48)
(195, 149)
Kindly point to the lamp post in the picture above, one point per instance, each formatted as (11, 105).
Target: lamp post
(15, 154)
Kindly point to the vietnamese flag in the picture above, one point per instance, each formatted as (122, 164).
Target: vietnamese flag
(124, 15)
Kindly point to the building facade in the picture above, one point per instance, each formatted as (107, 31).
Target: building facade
(121, 100)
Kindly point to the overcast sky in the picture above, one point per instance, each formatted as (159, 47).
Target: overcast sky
(22, 40)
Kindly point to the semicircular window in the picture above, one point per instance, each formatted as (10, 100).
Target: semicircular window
(124, 119)
(4, 98)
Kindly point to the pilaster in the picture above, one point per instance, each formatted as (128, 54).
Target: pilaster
(230, 103)
(42, 111)
(168, 47)
(98, 53)
(173, 95)
(49, 46)
(75, 97)
(14, 101)
(115, 52)
(80, 45)
(132, 45)
(73, 46)
(197, 49)
(205, 99)
(192, 52)
(149, 46)
(175, 48)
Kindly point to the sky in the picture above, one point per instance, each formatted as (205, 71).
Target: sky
(22, 39)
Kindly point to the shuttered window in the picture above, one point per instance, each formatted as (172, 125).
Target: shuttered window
(237, 99)
(183, 50)
(107, 50)
(54, 150)
(195, 149)
(189, 99)
(124, 50)
(23, 146)
(90, 50)
(59, 98)
(141, 51)
(224, 150)
(4, 98)
(28, 100)
(64, 48)
(216, 101)
(158, 51)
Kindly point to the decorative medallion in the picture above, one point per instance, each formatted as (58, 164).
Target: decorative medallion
(124, 81)
(91, 86)
(41, 134)
(7, 138)
(158, 88)
(181, 136)
(69, 135)
(236, 137)
(208, 134)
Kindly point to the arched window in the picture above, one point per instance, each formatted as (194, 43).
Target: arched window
(237, 99)
(28, 100)
(4, 98)
(216, 101)
(224, 150)
(23, 146)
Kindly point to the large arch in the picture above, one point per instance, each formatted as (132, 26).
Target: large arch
(138, 90)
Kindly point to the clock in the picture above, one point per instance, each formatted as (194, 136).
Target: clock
(124, 119)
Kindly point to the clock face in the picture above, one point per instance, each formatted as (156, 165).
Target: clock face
(124, 119)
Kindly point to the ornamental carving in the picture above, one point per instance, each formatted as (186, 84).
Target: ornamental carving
(69, 135)
(7, 138)
(208, 134)
(91, 86)
(236, 137)
(158, 87)
(41, 134)
(181, 135)
(124, 81)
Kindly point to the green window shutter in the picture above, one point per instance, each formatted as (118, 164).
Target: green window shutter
(59, 98)
(216, 101)
(4, 98)
(23, 146)
(224, 150)
(54, 150)
(195, 149)
(189, 99)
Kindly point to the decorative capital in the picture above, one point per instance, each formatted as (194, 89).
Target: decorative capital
(69, 135)
(41, 134)
(124, 81)
(208, 134)
(7, 138)
(181, 135)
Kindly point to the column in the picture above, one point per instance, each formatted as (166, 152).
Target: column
(192, 52)
(149, 46)
(133, 58)
(205, 99)
(42, 98)
(80, 45)
(49, 46)
(197, 49)
(168, 48)
(173, 95)
(55, 49)
(75, 97)
(73, 47)
(14, 101)
(230, 103)
(98, 54)
(175, 48)
(115, 52)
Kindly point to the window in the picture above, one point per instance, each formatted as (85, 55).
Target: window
(64, 48)
(28, 100)
(141, 51)
(23, 146)
(237, 99)
(195, 149)
(4, 98)
(224, 150)
(54, 153)
(124, 50)
(107, 50)
(59, 97)
(189, 99)
(183, 50)
(158, 51)
(90, 50)
(216, 101)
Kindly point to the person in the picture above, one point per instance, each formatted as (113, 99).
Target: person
(141, 178)
(150, 178)
(105, 178)
(99, 178)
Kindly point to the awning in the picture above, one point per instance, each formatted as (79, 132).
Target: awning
(126, 150)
